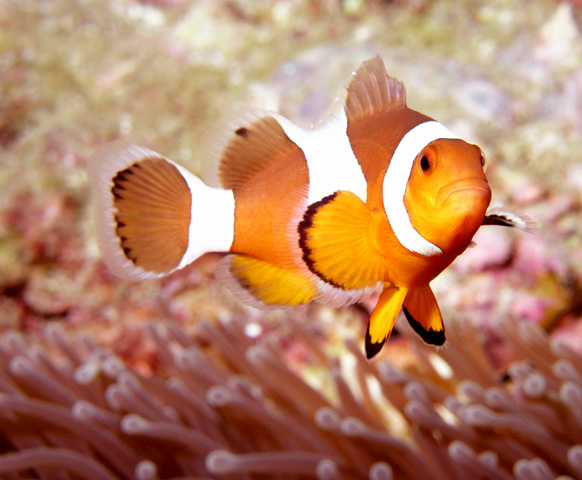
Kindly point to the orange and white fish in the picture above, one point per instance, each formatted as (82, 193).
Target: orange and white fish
(383, 198)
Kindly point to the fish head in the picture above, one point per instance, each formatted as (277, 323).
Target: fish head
(447, 193)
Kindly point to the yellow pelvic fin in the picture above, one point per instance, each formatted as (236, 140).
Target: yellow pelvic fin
(383, 318)
(422, 312)
(268, 283)
(338, 239)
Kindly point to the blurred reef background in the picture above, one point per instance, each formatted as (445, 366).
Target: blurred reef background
(184, 382)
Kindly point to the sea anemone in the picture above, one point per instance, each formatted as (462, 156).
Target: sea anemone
(223, 405)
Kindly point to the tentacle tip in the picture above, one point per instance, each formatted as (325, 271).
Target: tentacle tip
(220, 461)
(381, 471)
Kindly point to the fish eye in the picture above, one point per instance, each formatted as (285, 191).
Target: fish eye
(424, 163)
(483, 161)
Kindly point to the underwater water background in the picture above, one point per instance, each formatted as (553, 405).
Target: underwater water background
(506, 75)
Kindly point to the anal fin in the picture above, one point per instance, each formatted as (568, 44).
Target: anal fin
(383, 318)
(267, 284)
(424, 316)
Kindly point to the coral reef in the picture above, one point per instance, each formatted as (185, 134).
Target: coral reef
(225, 405)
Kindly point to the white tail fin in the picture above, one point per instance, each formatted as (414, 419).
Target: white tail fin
(152, 215)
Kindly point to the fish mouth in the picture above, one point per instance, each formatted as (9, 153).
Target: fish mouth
(476, 184)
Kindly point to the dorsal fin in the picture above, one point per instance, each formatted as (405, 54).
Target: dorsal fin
(372, 90)
(217, 138)
(247, 144)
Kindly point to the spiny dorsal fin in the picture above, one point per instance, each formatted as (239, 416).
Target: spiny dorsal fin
(372, 90)
(143, 210)
(242, 147)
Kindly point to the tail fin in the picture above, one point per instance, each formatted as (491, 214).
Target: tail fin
(153, 216)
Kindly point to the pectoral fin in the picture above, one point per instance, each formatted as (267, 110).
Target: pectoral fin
(423, 314)
(337, 237)
(383, 318)
(506, 218)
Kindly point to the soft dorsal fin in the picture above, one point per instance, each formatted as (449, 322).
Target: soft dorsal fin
(217, 138)
(372, 90)
(247, 144)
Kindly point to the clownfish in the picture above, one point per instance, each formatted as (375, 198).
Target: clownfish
(380, 199)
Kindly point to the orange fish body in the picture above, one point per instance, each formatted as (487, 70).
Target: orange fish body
(381, 199)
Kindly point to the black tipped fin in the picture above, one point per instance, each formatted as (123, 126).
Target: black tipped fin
(430, 336)
(372, 349)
